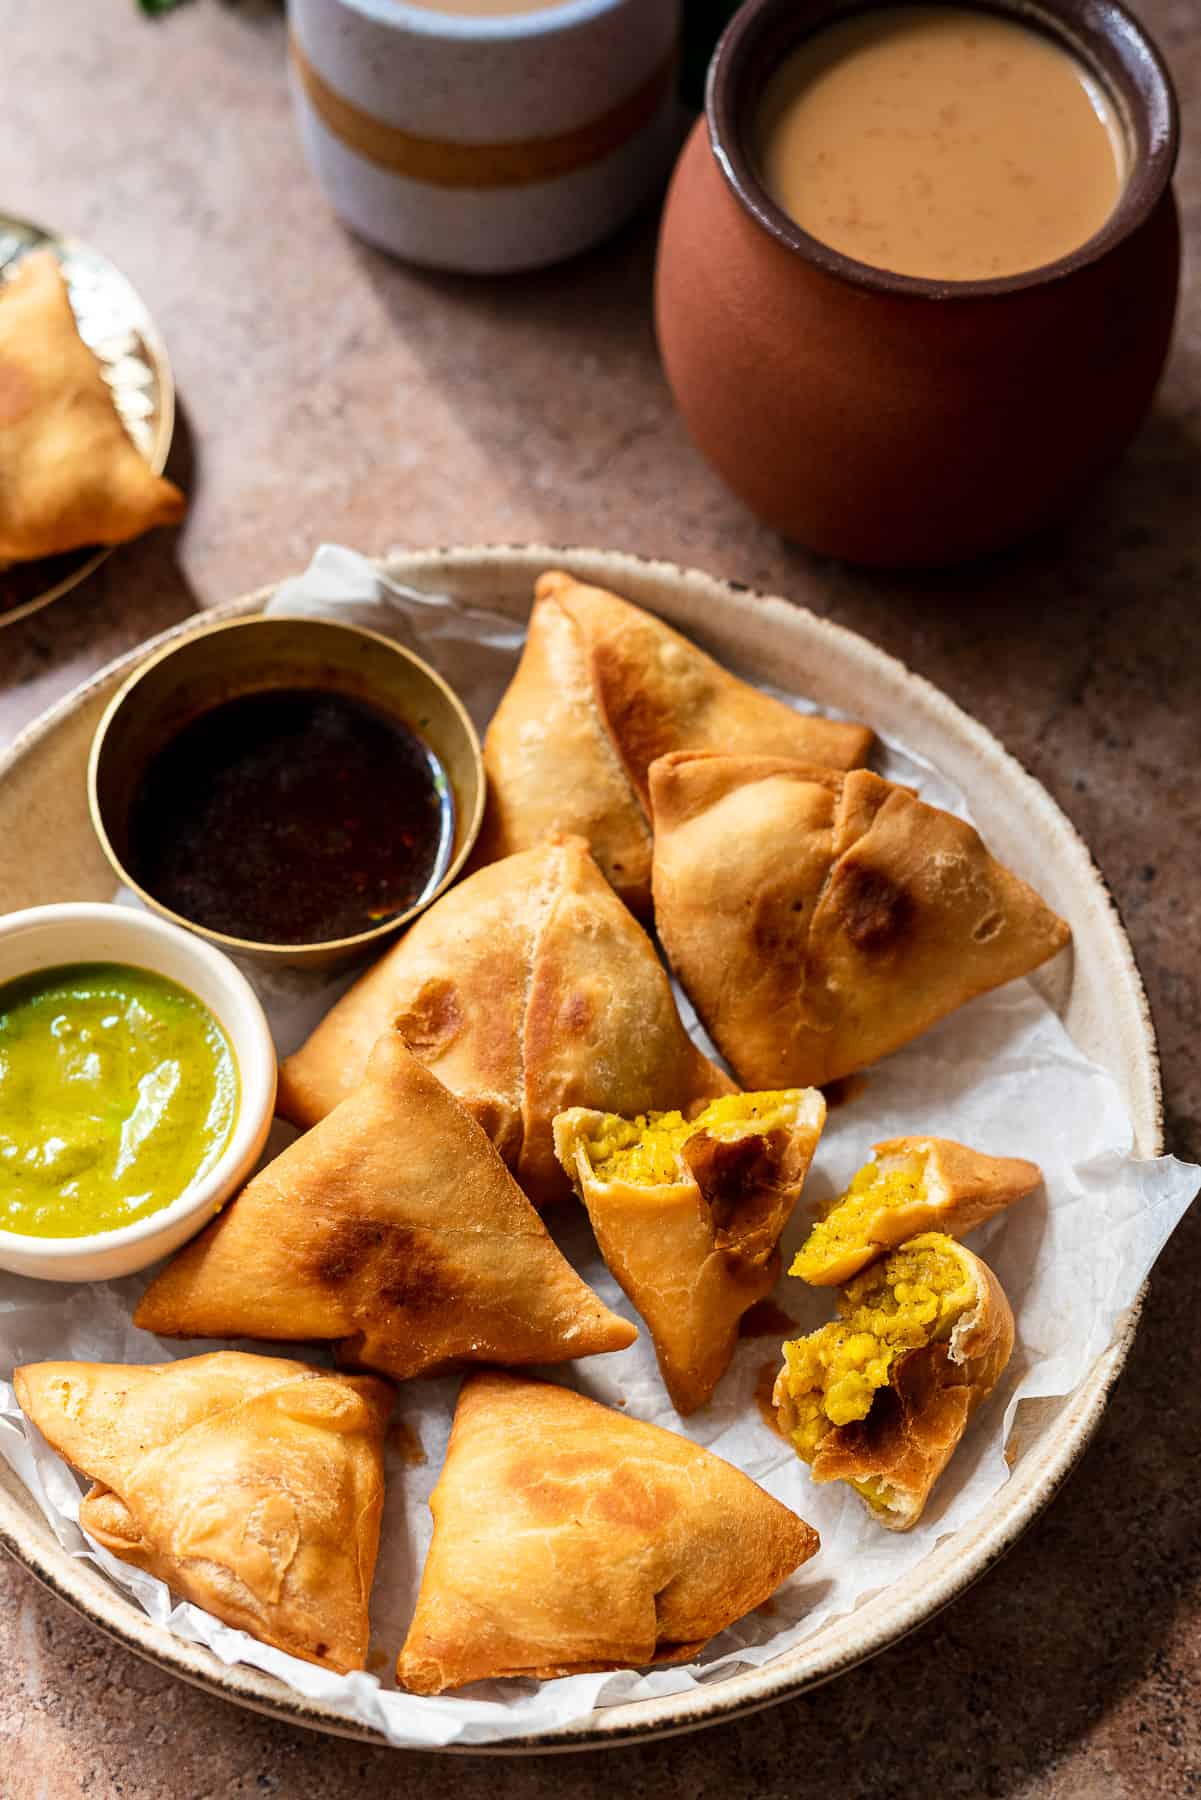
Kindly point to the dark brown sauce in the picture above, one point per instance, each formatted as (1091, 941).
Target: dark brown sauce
(765, 1319)
(291, 816)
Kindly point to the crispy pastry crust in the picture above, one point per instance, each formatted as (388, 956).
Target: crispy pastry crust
(69, 474)
(694, 1255)
(963, 1187)
(568, 1537)
(394, 1229)
(252, 1486)
(527, 989)
(915, 1423)
(602, 689)
(820, 921)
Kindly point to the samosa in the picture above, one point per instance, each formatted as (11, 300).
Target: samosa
(688, 1215)
(819, 921)
(528, 988)
(911, 1185)
(252, 1486)
(394, 1229)
(602, 689)
(568, 1537)
(69, 473)
(881, 1396)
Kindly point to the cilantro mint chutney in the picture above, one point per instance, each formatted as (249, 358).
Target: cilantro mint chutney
(118, 1089)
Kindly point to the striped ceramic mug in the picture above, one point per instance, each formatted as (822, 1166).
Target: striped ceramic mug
(486, 141)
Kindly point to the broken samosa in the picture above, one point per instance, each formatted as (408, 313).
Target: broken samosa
(528, 988)
(819, 921)
(911, 1185)
(568, 1537)
(602, 689)
(880, 1397)
(394, 1229)
(688, 1215)
(252, 1486)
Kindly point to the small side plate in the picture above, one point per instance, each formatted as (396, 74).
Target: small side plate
(115, 325)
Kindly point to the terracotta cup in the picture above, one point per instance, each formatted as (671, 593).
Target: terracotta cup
(895, 421)
(486, 142)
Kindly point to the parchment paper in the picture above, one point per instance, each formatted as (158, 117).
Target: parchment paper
(1000, 1074)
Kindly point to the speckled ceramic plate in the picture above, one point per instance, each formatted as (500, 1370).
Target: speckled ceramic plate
(51, 854)
(117, 328)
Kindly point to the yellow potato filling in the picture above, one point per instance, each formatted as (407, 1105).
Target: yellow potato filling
(913, 1298)
(847, 1223)
(646, 1150)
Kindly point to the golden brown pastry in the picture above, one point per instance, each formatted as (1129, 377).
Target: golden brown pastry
(688, 1215)
(912, 1184)
(602, 689)
(568, 1537)
(393, 1228)
(820, 921)
(69, 473)
(252, 1486)
(528, 988)
(880, 1397)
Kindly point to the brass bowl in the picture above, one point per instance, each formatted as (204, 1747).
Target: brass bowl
(242, 656)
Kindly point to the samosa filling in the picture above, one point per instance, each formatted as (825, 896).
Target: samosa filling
(847, 1223)
(911, 1299)
(646, 1151)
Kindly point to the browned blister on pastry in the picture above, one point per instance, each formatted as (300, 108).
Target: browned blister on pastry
(880, 1397)
(528, 988)
(820, 921)
(688, 1214)
(602, 689)
(69, 472)
(251, 1485)
(912, 1184)
(393, 1229)
(568, 1537)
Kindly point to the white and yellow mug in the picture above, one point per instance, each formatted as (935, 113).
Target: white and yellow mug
(486, 137)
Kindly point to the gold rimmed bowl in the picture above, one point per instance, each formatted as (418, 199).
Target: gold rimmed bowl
(236, 658)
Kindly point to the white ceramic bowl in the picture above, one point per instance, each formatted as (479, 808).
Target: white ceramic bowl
(486, 144)
(45, 937)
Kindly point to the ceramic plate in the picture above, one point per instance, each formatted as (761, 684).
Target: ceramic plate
(51, 854)
(116, 327)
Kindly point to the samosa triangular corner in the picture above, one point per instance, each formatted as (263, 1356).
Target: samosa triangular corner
(570, 1537)
(394, 1229)
(251, 1485)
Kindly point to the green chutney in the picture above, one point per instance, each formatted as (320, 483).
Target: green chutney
(118, 1089)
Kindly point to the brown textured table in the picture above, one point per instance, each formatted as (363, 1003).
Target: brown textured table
(329, 393)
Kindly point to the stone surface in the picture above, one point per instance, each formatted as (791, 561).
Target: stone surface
(328, 393)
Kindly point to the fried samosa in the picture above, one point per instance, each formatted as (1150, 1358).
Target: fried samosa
(527, 989)
(393, 1228)
(69, 473)
(688, 1215)
(912, 1185)
(602, 689)
(820, 921)
(252, 1486)
(568, 1537)
(880, 1397)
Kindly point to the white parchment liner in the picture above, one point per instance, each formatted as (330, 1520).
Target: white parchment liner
(1000, 1074)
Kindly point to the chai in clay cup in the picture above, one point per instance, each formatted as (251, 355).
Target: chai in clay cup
(486, 142)
(892, 420)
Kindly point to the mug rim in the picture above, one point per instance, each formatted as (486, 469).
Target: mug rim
(427, 21)
(1115, 47)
